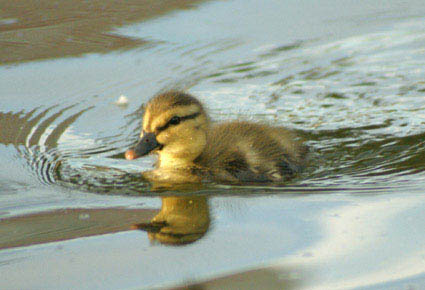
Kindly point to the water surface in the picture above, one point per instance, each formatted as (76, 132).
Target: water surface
(348, 77)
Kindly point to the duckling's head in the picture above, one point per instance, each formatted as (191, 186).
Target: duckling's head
(175, 125)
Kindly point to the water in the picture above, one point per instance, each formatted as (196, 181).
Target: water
(348, 77)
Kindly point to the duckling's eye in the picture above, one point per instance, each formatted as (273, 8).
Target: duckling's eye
(174, 120)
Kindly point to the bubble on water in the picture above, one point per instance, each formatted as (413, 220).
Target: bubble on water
(84, 216)
(122, 101)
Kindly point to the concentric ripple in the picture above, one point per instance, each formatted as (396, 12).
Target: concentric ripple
(44, 138)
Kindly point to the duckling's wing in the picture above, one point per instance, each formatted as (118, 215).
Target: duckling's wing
(238, 167)
(250, 152)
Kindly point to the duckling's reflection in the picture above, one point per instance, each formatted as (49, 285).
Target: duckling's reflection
(182, 220)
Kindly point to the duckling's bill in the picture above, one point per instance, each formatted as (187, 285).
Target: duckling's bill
(146, 144)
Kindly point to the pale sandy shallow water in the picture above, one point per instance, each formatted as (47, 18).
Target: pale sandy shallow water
(349, 77)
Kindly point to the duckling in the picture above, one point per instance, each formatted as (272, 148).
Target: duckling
(191, 148)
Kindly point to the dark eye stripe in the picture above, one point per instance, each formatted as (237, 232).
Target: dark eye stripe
(168, 124)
